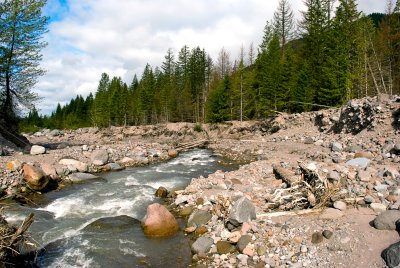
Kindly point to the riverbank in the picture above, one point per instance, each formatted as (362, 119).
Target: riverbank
(322, 142)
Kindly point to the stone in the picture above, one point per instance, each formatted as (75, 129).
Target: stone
(198, 218)
(201, 230)
(99, 157)
(369, 199)
(381, 187)
(249, 250)
(336, 147)
(327, 234)
(303, 249)
(127, 161)
(186, 211)
(234, 237)
(387, 220)
(340, 205)
(361, 162)
(317, 238)
(242, 211)
(309, 140)
(35, 177)
(73, 165)
(159, 222)
(81, 177)
(85, 148)
(368, 155)
(161, 192)
(364, 175)
(243, 242)
(14, 165)
(331, 213)
(202, 245)
(49, 170)
(391, 255)
(190, 229)
(224, 247)
(333, 176)
(378, 207)
(36, 150)
(298, 239)
(114, 167)
(172, 153)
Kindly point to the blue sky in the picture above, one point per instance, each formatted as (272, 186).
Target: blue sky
(89, 37)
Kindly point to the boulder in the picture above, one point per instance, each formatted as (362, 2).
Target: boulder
(361, 162)
(336, 147)
(242, 211)
(81, 177)
(172, 153)
(74, 165)
(35, 177)
(161, 192)
(202, 245)
(198, 218)
(391, 255)
(243, 242)
(114, 167)
(378, 207)
(224, 247)
(340, 205)
(387, 220)
(159, 221)
(99, 157)
(49, 170)
(36, 150)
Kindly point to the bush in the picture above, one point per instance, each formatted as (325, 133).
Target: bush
(197, 127)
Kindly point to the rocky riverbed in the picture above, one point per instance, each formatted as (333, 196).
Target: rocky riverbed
(308, 194)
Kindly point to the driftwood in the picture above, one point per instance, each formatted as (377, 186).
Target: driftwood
(11, 237)
(303, 192)
(191, 145)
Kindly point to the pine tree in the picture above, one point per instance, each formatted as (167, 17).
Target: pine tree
(100, 110)
(284, 23)
(218, 102)
(22, 27)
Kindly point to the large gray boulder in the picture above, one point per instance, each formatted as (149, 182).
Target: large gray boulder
(387, 220)
(391, 255)
(242, 211)
(202, 245)
(81, 177)
(74, 165)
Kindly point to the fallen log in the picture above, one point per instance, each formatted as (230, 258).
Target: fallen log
(285, 175)
(191, 145)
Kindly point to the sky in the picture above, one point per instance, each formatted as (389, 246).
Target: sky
(89, 37)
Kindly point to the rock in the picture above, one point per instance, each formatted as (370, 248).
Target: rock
(85, 148)
(73, 165)
(159, 221)
(333, 176)
(49, 170)
(127, 161)
(172, 153)
(336, 147)
(198, 218)
(317, 238)
(201, 230)
(359, 162)
(202, 245)
(55, 133)
(396, 149)
(224, 247)
(161, 192)
(14, 165)
(378, 207)
(363, 155)
(99, 157)
(369, 199)
(387, 220)
(242, 211)
(234, 237)
(303, 249)
(81, 177)
(111, 224)
(249, 250)
(186, 211)
(364, 176)
(309, 140)
(331, 213)
(114, 167)
(327, 234)
(391, 255)
(243, 242)
(340, 205)
(36, 150)
(35, 177)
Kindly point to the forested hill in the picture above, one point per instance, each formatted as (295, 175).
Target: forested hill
(334, 59)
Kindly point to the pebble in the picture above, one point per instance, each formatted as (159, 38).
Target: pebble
(340, 205)
(327, 234)
(317, 238)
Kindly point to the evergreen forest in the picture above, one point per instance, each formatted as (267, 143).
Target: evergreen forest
(333, 54)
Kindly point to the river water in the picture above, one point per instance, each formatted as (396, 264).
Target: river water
(96, 224)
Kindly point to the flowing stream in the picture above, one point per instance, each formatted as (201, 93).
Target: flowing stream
(96, 224)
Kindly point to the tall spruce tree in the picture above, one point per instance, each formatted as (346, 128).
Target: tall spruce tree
(284, 23)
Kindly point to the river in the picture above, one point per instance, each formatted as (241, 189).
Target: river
(96, 224)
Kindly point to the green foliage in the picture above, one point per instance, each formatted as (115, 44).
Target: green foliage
(218, 102)
(198, 127)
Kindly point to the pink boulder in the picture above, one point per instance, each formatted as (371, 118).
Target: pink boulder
(35, 177)
(159, 221)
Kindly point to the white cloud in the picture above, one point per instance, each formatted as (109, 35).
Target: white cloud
(87, 38)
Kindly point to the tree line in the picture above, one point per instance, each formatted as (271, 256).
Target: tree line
(333, 55)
